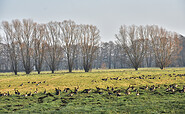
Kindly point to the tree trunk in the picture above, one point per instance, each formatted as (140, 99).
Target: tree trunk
(53, 71)
(136, 68)
(70, 69)
(86, 69)
(161, 67)
(15, 72)
(39, 72)
(27, 72)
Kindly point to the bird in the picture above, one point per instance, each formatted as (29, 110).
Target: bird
(57, 90)
(97, 88)
(109, 93)
(86, 91)
(66, 89)
(15, 91)
(1, 94)
(183, 90)
(127, 92)
(146, 87)
(168, 89)
(29, 94)
(105, 79)
(112, 89)
(100, 93)
(36, 91)
(76, 90)
(8, 93)
(45, 91)
(176, 85)
(21, 84)
(25, 95)
(18, 93)
(118, 93)
(173, 90)
(152, 88)
(70, 94)
(137, 93)
(33, 82)
(4, 94)
(9, 86)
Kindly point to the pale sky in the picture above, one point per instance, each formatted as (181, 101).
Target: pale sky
(107, 15)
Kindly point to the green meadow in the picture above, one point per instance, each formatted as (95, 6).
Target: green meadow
(167, 97)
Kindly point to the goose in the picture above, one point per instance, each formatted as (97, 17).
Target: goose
(176, 85)
(112, 89)
(66, 90)
(18, 93)
(127, 92)
(4, 94)
(118, 93)
(76, 90)
(29, 94)
(168, 89)
(45, 91)
(15, 91)
(21, 84)
(70, 94)
(152, 88)
(183, 90)
(137, 93)
(8, 93)
(173, 90)
(36, 91)
(86, 91)
(100, 93)
(109, 93)
(97, 88)
(25, 95)
(57, 91)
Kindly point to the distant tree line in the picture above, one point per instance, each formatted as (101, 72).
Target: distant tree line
(27, 46)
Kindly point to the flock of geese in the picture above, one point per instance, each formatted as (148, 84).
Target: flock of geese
(173, 88)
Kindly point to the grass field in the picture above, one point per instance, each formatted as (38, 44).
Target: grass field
(103, 100)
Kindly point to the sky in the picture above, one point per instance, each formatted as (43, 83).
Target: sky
(107, 15)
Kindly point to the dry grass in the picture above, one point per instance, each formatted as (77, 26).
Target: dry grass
(62, 79)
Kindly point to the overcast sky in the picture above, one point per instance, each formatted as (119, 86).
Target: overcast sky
(107, 15)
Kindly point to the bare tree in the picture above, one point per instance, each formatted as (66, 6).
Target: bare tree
(70, 40)
(111, 48)
(134, 42)
(11, 42)
(181, 59)
(25, 40)
(165, 46)
(39, 46)
(89, 42)
(53, 47)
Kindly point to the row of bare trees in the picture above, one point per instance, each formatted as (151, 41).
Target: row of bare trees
(33, 43)
(139, 42)
(29, 45)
